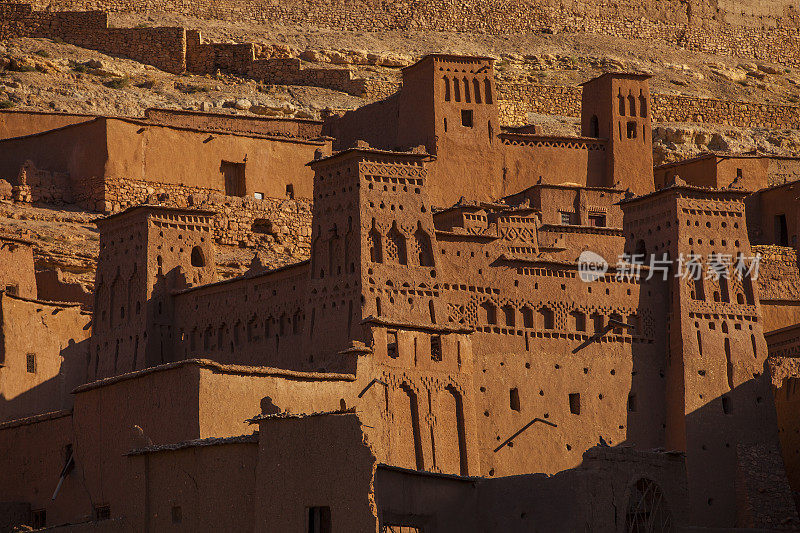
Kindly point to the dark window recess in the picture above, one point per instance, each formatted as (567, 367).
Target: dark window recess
(781, 233)
(726, 405)
(290, 191)
(102, 512)
(177, 514)
(595, 127)
(575, 403)
(39, 518)
(30, 361)
(466, 118)
(631, 130)
(13, 290)
(598, 221)
(514, 399)
(198, 259)
(436, 347)
(391, 344)
(233, 173)
(319, 519)
(631, 403)
(566, 219)
(263, 225)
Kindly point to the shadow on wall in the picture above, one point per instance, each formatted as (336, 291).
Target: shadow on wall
(613, 489)
(48, 395)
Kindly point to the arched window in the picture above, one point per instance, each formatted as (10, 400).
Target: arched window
(548, 318)
(396, 246)
(632, 105)
(509, 313)
(198, 259)
(446, 89)
(642, 105)
(621, 100)
(422, 243)
(489, 313)
(476, 86)
(467, 98)
(456, 90)
(375, 244)
(487, 86)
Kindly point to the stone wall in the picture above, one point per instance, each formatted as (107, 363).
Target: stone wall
(745, 29)
(164, 48)
(279, 227)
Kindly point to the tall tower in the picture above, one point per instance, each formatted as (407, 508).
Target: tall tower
(459, 121)
(145, 252)
(616, 107)
(717, 395)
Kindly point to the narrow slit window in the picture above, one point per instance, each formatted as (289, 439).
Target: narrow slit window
(575, 403)
(514, 399)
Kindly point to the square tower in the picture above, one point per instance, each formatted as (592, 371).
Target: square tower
(145, 253)
(717, 395)
(616, 106)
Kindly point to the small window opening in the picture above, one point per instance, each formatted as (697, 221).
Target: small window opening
(575, 403)
(102, 512)
(566, 219)
(290, 191)
(514, 399)
(781, 233)
(319, 519)
(595, 126)
(198, 260)
(31, 363)
(466, 118)
(12, 290)
(598, 221)
(177, 514)
(258, 195)
(39, 518)
(391, 344)
(631, 130)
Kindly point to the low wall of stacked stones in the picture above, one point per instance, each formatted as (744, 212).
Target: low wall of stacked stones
(164, 48)
(759, 30)
(277, 226)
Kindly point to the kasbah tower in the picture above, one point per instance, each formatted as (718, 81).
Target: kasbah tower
(462, 324)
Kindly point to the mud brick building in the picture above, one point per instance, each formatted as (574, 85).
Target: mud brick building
(440, 362)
